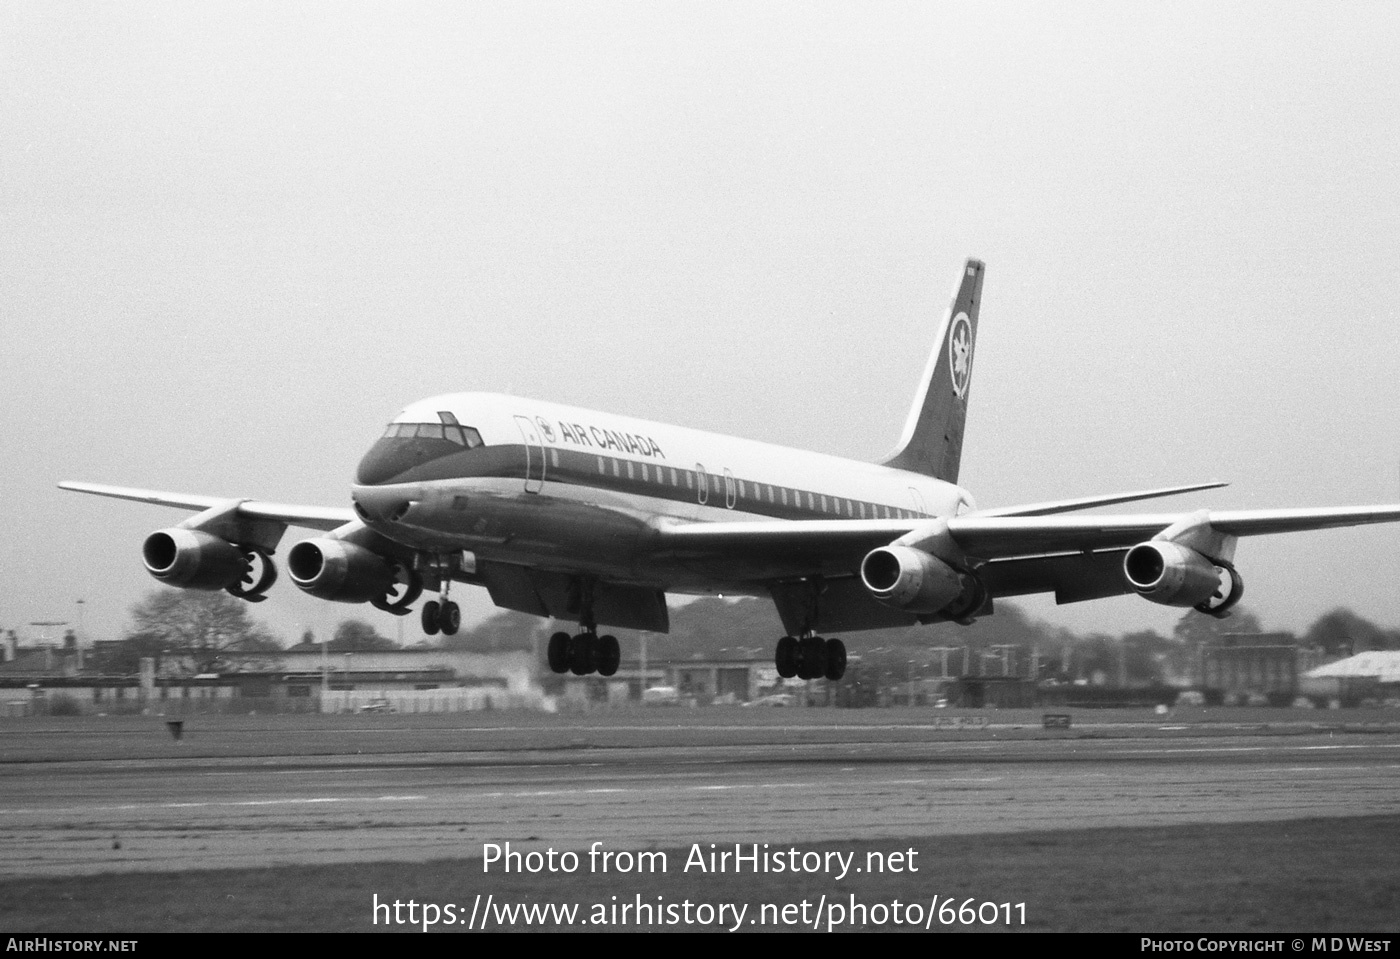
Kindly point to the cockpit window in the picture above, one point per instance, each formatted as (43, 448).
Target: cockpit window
(461, 435)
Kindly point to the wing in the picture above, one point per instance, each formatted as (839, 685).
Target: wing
(1089, 502)
(311, 517)
(989, 537)
(1075, 557)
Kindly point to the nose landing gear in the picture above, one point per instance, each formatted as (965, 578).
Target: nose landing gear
(441, 615)
(444, 617)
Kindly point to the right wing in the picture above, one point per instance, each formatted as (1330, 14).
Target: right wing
(1075, 557)
(1089, 502)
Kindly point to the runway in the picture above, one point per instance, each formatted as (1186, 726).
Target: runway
(772, 783)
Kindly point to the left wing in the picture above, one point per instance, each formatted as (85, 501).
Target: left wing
(228, 545)
(311, 517)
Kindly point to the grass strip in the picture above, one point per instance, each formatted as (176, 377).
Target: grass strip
(1314, 875)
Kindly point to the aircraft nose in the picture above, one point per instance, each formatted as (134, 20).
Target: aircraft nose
(386, 460)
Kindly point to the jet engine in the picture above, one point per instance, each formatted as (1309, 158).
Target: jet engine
(910, 579)
(345, 572)
(194, 559)
(1175, 575)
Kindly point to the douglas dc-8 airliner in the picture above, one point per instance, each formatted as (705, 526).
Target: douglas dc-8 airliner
(593, 518)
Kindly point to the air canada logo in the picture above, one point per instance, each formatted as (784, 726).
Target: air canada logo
(960, 354)
(545, 428)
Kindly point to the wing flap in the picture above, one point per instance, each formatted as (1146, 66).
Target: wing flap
(1072, 577)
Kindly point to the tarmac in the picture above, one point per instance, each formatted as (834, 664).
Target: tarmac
(105, 794)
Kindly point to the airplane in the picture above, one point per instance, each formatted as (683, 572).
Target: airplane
(593, 518)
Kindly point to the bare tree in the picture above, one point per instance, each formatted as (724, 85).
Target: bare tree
(211, 631)
(356, 635)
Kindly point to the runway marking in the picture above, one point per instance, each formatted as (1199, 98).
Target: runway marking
(530, 794)
(304, 801)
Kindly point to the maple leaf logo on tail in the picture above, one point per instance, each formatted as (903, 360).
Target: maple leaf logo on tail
(960, 354)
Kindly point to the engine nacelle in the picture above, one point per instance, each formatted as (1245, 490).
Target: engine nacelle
(339, 571)
(912, 580)
(1175, 575)
(193, 559)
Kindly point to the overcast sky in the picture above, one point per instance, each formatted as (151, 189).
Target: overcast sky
(235, 239)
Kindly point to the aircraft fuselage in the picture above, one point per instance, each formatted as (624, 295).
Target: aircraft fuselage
(562, 488)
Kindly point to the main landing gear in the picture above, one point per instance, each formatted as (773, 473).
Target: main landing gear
(585, 653)
(810, 657)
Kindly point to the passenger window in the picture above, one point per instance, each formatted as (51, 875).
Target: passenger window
(783, 490)
(645, 478)
(823, 504)
(602, 466)
(673, 477)
(617, 470)
(630, 475)
(554, 458)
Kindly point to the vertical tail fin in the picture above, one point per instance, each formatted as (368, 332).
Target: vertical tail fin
(932, 440)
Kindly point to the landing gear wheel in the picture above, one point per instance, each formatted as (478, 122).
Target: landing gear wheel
(785, 657)
(581, 655)
(430, 617)
(811, 657)
(607, 655)
(559, 653)
(450, 618)
(835, 659)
